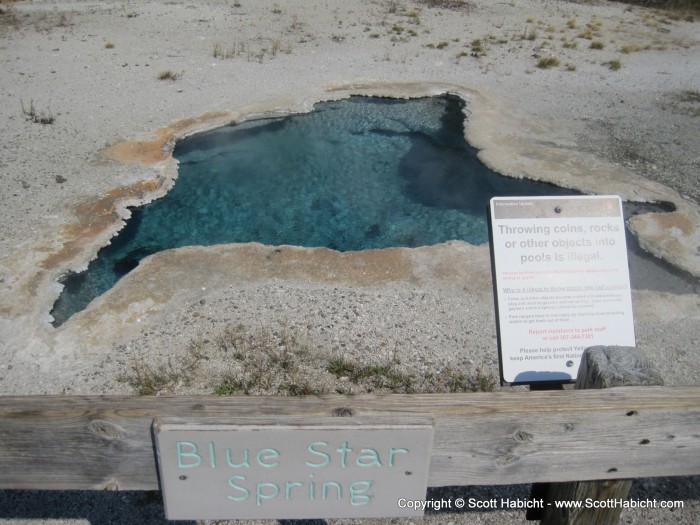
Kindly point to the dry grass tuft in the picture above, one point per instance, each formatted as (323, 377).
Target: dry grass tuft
(167, 377)
(169, 75)
(614, 65)
(630, 48)
(547, 62)
(38, 117)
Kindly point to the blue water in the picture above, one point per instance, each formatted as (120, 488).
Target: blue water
(351, 175)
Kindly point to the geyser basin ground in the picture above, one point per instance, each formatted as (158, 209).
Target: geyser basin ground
(355, 174)
(183, 293)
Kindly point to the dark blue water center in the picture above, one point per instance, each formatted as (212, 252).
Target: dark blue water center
(355, 174)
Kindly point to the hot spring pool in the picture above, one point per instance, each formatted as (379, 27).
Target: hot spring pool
(355, 174)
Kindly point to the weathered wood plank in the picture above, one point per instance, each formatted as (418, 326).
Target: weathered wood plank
(483, 438)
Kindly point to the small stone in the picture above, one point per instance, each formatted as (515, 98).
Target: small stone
(60, 179)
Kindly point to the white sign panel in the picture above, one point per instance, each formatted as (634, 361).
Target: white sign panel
(562, 283)
(291, 468)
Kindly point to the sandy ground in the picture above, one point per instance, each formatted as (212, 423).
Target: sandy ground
(94, 67)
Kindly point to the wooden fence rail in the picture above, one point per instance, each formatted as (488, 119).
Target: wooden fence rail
(70, 442)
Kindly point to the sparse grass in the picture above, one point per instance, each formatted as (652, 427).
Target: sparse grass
(683, 103)
(9, 19)
(217, 50)
(614, 65)
(571, 67)
(149, 381)
(384, 376)
(650, 21)
(169, 75)
(414, 17)
(42, 21)
(393, 6)
(482, 382)
(689, 96)
(665, 4)
(38, 117)
(46, 22)
(390, 376)
(597, 44)
(256, 50)
(547, 62)
(448, 4)
(442, 45)
(529, 34)
(571, 44)
(130, 14)
(232, 50)
(280, 361)
(267, 362)
(477, 48)
(109, 45)
(630, 48)
(571, 23)
(587, 34)
(64, 20)
(165, 377)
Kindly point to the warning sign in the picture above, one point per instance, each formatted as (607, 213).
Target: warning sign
(561, 281)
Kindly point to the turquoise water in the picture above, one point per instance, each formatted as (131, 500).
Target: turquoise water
(355, 174)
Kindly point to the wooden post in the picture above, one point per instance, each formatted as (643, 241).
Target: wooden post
(539, 491)
(601, 367)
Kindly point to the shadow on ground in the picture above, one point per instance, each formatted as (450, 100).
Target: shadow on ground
(146, 508)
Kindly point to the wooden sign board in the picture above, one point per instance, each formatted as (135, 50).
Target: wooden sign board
(561, 283)
(293, 468)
